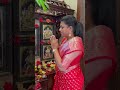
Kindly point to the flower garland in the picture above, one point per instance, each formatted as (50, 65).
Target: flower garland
(44, 68)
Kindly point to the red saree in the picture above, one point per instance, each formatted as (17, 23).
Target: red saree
(72, 78)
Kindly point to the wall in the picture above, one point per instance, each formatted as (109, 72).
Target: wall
(73, 5)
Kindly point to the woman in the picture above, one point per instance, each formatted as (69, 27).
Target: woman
(100, 55)
(69, 75)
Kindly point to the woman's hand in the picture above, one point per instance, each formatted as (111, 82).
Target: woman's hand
(54, 42)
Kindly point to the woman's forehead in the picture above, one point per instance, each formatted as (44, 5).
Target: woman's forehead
(62, 23)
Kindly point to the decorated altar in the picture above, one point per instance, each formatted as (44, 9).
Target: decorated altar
(47, 20)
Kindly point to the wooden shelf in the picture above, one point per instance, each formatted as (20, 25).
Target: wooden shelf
(36, 13)
(55, 11)
(61, 9)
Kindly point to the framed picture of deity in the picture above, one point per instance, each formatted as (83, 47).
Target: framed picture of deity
(47, 30)
(26, 15)
(47, 52)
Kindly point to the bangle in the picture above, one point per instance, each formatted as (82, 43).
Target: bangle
(54, 50)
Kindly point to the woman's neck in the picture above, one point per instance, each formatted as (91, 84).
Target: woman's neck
(70, 37)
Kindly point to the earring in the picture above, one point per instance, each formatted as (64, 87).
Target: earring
(69, 35)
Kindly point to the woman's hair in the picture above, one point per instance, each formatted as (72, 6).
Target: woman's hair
(70, 20)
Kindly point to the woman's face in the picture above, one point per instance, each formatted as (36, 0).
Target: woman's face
(64, 29)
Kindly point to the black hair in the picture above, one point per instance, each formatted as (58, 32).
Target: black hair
(70, 20)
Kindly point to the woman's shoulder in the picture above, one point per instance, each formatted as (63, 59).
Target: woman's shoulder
(103, 30)
(98, 30)
(103, 27)
(76, 40)
(76, 43)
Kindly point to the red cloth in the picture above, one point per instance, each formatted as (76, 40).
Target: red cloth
(8, 86)
(71, 53)
(73, 80)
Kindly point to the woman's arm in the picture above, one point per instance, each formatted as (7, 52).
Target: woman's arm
(64, 64)
(58, 60)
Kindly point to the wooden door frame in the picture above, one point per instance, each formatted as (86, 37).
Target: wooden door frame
(78, 9)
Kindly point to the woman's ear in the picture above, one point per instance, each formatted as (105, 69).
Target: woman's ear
(71, 28)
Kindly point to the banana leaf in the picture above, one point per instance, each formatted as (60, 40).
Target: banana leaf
(43, 4)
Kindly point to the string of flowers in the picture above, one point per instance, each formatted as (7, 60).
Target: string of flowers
(44, 68)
